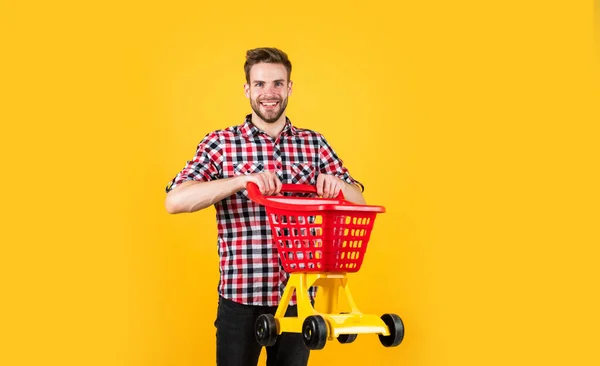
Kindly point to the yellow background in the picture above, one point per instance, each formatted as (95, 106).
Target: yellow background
(473, 123)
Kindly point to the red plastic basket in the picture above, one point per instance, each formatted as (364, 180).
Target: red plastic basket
(316, 234)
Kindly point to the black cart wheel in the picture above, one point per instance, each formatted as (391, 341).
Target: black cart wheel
(347, 338)
(265, 330)
(314, 332)
(396, 327)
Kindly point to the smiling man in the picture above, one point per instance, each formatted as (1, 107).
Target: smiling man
(268, 91)
(268, 150)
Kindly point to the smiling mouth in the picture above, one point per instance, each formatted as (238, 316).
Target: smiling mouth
(269, 104)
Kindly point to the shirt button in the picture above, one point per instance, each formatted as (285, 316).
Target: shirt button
(278, 166)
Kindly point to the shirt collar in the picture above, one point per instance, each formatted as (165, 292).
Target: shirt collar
(250, 130)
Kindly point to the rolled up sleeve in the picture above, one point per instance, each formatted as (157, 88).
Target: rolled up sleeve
(206, 164)
(331, 164)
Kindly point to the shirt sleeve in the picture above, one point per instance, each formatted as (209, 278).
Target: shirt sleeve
(330, 163)
(206, 164)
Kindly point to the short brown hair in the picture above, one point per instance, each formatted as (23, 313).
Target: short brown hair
(268, 55)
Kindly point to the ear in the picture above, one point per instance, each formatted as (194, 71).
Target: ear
(247, 90)
(290, 83)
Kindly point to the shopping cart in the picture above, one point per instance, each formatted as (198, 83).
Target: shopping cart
(319, 241)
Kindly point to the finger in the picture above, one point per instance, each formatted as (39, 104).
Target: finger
(338, 189)
(272, 184)
(272, 178)
(332, 184)
(327, 188)
(278, 185)
(267, 183)
(320, 179)
(259, 183)
(333, 187)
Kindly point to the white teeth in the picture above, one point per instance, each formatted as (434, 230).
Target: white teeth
(270, 104)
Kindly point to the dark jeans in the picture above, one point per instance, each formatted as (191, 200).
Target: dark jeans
(237, 346)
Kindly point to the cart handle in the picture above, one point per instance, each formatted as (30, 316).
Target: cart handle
(319, 204)
(305, 188)
(255, 194)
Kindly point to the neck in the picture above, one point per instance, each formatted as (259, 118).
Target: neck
(272, 129)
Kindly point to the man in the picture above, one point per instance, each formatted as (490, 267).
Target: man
(267, 150)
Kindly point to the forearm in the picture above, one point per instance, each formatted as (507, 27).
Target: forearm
(192, 196)
(353, 193)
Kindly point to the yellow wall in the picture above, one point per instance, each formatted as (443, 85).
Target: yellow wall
(472, 122)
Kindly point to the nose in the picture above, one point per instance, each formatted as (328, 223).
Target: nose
(270, 89)
(273, 88)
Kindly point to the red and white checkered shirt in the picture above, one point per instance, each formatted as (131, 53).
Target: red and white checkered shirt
(250, 272)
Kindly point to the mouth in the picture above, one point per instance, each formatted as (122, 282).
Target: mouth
(269, 104)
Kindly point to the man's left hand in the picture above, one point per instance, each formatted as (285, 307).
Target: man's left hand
(329, 186)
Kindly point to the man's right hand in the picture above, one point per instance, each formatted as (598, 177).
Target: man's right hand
(268, 183)
(192, 196)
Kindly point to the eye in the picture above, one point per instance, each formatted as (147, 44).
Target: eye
(259, 84)
(278, 83)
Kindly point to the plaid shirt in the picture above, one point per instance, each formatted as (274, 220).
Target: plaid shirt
(250, 272)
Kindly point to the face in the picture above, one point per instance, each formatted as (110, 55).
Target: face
(268, 91)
